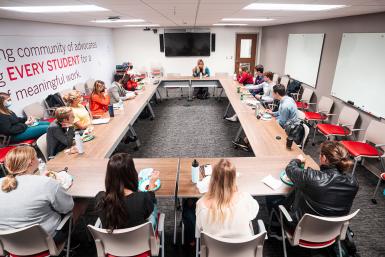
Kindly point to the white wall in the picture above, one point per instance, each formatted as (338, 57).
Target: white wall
(142, 48)
(15, 34)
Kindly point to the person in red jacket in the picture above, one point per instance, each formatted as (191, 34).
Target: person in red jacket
(244, 76)
(129, 83)
(99, 100)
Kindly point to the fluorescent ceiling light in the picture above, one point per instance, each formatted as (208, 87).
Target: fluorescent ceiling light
(229, 24)
(118, 20)
(55, 9)
(247, 19)
(292, 7)
(142, 25)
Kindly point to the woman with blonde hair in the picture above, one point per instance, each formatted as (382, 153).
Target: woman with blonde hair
(224, 211)
(99, 100)
(82, 118)
(28, 198)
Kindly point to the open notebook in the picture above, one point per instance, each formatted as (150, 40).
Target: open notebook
(100, 121)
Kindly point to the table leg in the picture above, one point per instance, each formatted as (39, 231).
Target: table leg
(227, 110)
(238, 135)
(151, 111)
(137, 142)
(160, 96)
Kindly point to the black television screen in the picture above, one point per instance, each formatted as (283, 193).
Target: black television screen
(187, 44)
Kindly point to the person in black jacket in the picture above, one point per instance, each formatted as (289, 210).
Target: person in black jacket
(61, 132)
(327, 192)
(122, 206)
(20, 129)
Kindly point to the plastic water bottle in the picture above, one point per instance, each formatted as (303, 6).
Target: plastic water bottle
(257, 110)
(235, 76)
(200, 75)
(195, 171)
(42, 166)
(79, 142)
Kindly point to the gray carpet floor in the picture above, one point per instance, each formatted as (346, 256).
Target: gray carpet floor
(197, 129)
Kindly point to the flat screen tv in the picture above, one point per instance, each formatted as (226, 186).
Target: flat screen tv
(187, 44)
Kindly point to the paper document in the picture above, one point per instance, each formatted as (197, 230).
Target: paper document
(272, 182)
(100, 121)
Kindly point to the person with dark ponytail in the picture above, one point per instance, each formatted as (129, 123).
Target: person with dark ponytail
(122, 206)
(327, 192)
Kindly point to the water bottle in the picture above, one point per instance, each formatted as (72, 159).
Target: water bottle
(79, 142)
(257, 110)
(111, 110)
(200, 75)
(42, 166)
(195, 171)
(235, 76)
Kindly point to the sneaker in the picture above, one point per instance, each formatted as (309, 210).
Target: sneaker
(232, 119)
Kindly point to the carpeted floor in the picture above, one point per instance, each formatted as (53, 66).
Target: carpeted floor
(198, 129)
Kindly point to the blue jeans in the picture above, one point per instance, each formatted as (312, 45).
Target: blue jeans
(31, 132)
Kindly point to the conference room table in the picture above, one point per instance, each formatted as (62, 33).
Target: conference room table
(267, 140)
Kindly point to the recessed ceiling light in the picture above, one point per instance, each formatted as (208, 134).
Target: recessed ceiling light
(118, 20)
(55, 9)
(292, 7)
(247, 19)
(142, 25)
(229, 24)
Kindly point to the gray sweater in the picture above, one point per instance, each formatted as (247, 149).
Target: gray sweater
(36, 200)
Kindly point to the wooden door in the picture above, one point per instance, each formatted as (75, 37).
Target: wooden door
(245, 51)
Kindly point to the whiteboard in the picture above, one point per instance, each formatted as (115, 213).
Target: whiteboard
(359, 75)
(303, 57)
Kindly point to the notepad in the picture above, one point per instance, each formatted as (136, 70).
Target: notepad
(100, 121)
(272, 182)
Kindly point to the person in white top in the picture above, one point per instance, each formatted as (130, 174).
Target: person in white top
(224, 211)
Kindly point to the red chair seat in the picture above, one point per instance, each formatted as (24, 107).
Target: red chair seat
(315, 116)
(43, 254)
(360, 149)
(4, 151)
(383, 176)
(145, 254)
(50, 120)
(331, 129)
(302, 105)
(308, 244)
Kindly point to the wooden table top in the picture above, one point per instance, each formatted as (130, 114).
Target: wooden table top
(89, 174)
(107, 136)
(251, 171)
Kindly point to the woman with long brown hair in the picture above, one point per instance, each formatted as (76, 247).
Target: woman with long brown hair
(327, 192)
(224, 211)
(27, 198)
(99, 100)
(122, 205)
(18, 128)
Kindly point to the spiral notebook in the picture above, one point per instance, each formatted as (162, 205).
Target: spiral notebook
(272, 182)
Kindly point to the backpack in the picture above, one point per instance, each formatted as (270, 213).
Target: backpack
(54, 101)
(293, 87)
(294, 128)
(203, 93)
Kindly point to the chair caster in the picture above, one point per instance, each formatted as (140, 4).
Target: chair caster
(313, 144)
(374, 201)
(152, 118)
(136, 148)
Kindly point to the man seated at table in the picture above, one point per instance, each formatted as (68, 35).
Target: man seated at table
(287, 108)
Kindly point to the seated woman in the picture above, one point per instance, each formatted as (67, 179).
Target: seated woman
(31, 198)
(201, 69)
(82, 118)
(327, 192)
(244, 76)
(117, 93)
(61, 132)
(19, 129)
(122, 206)
(224, 211)
(99, 100)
